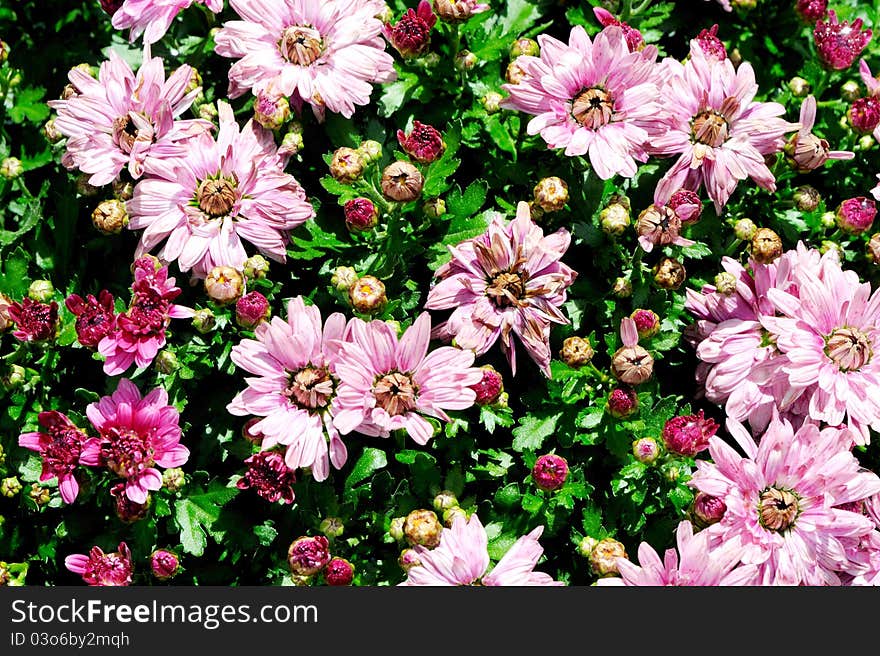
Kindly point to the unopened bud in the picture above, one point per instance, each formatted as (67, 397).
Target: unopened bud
(603, 558)
(766, 246)
(614, 219)
(39, 495)
(622, 288)
(4, 51)
(361, 214)
(806, 198)
(123, 190)
(367, 295)
(173, 479)
(465, 60)
(11, 168)
(514, 73)
(10, 486)
(646, 450)
(166, 362)
(41, 290)
(164, 564)
(343, 278)
(208, 112)
(347, 165)
(84, 187)
(308, 555)
(421, 527)
(396, 528)
(725, 283)
(647, 323)
(370, 151)
(492, 102)
(402, 182)
(291, 143)
(708, 510)
(490, 386)
(51, 132)
(271, 111)
(224, 284)
(13, 378)
(632, 365)
(799, 87)
(586, 546)
(450, 514)
(524, 46)
(576, 352)
(550, 472)
(408, 559)
(332, 527)
(669, 273)
(551, 194)
(204, 320)
(873, 248)
(256, 267)
(110, 217)
(445, 500)
(850, 91)
(434, 208)
(251, 310)
(745, 229)
(339, 572)
(622, 402)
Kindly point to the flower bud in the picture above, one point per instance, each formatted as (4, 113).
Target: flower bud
(166, 362)
(856, 215)
(421, 527)
(39, 495)
(828, 245)
(524, 46)
(270, 110)
(850, 91)
(766, 246)
(127, 510)
(490, 387)
(13, 378)
(291, 143)
(603, 557)
(204, 321)
(164, 564)
(332, 527)
(339, 572)
(806, 198)
(492, 102)
(550, 472)
(514, 74)
(396, 528)
(828, 219)
(863, 115)
(551, 194)
(576, 352)
(10, 486)
(687, 435)
(347, 165)
(622, 402)
(669, 273)
(402, 182)
(110, 217)
(686, 205)
(465, 60)
(173, 479)
(208, 112)
(745, 229)
(367, 295)
(224, 284)
(647, 323)
(41, 290)
(411, 35)
(308, 555)
(873, 248)
(5, 50)
(343, 278)
(865, 142)
(622, 288)
(360, 214)
(632, 365)
(255, 267)
(434, 208)
(646, 450)
(445, 500)
(409, 559)
(799, 87)
(586, 546)
(424, 143)
(251, 309)
(707, 510)
(51, 132)
(11, 168)
(725, 283)
(370, 151)
(450, 514)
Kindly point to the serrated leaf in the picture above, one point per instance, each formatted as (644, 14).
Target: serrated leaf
(501, 135)
(29, 106)
(468, 203)
(370, 460)
(532, 431)
(14, 281)
(195, 516)
(395, 94)
(266, 533)
(590, 417)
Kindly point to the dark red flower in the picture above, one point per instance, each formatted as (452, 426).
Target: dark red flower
(94, 317)
(424, 143)
(34, 321)
(411, 35)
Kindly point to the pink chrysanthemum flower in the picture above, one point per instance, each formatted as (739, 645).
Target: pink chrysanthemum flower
(462, 558)
(295, 381)
(138, 434)
(507, 281)
(830, 335)
(95, 317)
(327, 53)
(139, 332)
(62, 446)
(840, 42)
(152, 18)
(696, 563)
(782, 500)
(102, 569)
(591, 97)
(124, 119)
(389, 383)
(806, 150)
(718, 131)
(221, 192)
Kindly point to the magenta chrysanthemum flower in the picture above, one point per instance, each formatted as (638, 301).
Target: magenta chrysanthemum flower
(95, 317)
(592, 98)
(389, 383)
(411, 35)
(462, 558)
(295, 381)
(220, 192)
(124, 119)
(62, 446)
(507, 281)
(864, 113)
(830, 335)
(687, 435)
(806, 150)
(269, 476)
(424, 143)
(811, 10)
(718, 131)
(139, 333)
(152, 18)
(782, 500)
(839, 43)
(102, 569)
(696, 563)
(34, 321)
(710, 44)
(327, 53)
(138, 434)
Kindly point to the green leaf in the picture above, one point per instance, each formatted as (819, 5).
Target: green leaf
(532, 431)
(467, 203)
(14, 281)
(266, 533)
(370, 460)
(436, 176)
(590, 417)
(195, 516)
(29, 106)
(501, 135)
(395, 94)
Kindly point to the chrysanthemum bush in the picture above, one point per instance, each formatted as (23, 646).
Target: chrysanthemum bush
(346, 292)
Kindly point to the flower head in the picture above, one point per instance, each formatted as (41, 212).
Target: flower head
(152, 18)
(164, 564)
(95, 317)
(125, 119)
(806, 150)
(710, 44)
(811, 10)
(856, 215)
(462, 558)
(840, 43)
(326, 53)
(339, 572)
(591, 97)
(458, 11)
(687, 435)
(269, 476)
(34, 321)
(550, 472)
(490, 386)
(308, 555)
(251, 309)
(102, 569)
(634, 38)
(424, 143)
(137, 435)
(411, 35)
(507, 281)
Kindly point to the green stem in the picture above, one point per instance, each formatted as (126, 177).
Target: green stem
(626, 10)
(638, 10)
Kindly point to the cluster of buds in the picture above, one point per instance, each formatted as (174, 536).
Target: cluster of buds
(446, 503)
(522, 47)
(309, 555)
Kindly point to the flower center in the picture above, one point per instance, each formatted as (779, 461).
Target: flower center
(778, 509)
(849, 349)
(62, 453)
(125, 133)
(310, 388)
(216, 197)
(592, 108)
(301, 45)
(710, 128)
(506, 289)
(127, 453)
(395, 393)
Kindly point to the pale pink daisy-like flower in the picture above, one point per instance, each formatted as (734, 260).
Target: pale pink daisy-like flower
(717, 129)
(221, 192)
(507, 281)
(806, 150)
(389, 382)
(137, 435)
(462, 558)
(830, 335)
(327, 53)
(152, 18)
(124, 119)
(62, 446)
(591, 97)
(294, 383)
(783, 500)
(102, 569)
(696, 563)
